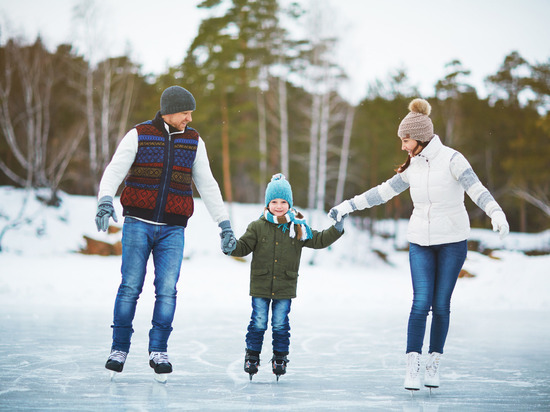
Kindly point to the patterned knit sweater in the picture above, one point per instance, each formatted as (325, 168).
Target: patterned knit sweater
(158, 186)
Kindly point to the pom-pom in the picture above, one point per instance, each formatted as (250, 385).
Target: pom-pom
(278, 176)
(420, 106)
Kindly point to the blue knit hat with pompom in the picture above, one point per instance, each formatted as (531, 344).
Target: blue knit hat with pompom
(278, 188)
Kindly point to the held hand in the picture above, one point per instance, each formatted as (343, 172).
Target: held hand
(500, 225)
(228, 242)
(340, 225)
(337, 212)
(105, 210)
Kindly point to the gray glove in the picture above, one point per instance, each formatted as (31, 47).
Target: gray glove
(105, 210)
(340, 224)
(229, 242)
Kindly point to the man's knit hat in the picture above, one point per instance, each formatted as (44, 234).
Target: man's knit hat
(417, 125)
(176, 99)
(278, 188)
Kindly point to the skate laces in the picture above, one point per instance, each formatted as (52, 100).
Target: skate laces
(118, 356)
(413, 364)
(159, 357)
(432, 365)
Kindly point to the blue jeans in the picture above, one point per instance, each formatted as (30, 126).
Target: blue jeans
(139, 240)
(280, 326)
(434, 271)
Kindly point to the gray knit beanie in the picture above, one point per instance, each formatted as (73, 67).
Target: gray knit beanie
(417, 125)
(176, 99)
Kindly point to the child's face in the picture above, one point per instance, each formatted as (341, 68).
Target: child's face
(278, 207)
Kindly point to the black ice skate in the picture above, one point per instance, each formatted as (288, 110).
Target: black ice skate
(115, 362)
(159, 362)
(278, 363)
(251, 362)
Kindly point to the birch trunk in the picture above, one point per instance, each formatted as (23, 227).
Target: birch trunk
(323, 148)
(344, 154)
(283, 113)
(313, 149)
(262, 134)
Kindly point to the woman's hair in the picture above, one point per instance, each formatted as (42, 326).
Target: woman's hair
(405, 165)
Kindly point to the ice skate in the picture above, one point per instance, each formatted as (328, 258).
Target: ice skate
(159, 362)
(251, 362)
(115, 362)
(431, 377)
(412, 377)
(278, 363)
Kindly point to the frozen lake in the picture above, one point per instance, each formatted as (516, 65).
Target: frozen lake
(53, 360)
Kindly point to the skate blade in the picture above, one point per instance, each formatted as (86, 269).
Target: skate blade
(112, 375)
(161, 377)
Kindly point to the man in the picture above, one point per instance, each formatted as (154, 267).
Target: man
(159, 158)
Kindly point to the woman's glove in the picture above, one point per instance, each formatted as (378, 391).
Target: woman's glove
(340, 225)
(338, 212)
(500, 225)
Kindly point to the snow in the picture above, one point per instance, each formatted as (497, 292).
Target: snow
(348, 323)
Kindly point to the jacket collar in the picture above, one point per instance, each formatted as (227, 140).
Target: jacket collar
(432, 149)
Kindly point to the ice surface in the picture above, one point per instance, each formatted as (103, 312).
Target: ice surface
(348, 329)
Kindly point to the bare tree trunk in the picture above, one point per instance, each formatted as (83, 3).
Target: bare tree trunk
(225, 149)
(344, 154)
(90, 117)
(323, 149)
(105, 114)
(313, 149)
(262, 133)
(283, 113)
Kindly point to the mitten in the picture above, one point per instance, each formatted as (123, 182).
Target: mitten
(105, 210)
(500, 225)
(228, 242)
(340, 225)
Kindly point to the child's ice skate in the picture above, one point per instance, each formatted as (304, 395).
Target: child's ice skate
(159, 362)
(278, 363)
(251, 362)
(115, 362)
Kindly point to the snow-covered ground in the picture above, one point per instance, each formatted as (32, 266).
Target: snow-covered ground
(348, 323)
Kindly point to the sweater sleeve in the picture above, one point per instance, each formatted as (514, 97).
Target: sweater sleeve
(120, 164)
(463, 172)
(381, 193)
(207, 186)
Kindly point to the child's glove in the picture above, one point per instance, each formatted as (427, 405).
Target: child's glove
(500, 225)
(229, 243)
(105, 210)
(337, 212)
(340, 225)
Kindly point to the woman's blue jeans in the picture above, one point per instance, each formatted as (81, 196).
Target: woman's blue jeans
(280, 326)
(139, 241)
(434, 271)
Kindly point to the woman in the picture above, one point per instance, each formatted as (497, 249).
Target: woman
(438, 228)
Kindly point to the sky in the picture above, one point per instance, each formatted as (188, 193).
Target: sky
(375, 38)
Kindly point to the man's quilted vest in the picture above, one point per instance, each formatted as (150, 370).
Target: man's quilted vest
(158, 186)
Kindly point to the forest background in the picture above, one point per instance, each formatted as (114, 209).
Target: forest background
(268, 102)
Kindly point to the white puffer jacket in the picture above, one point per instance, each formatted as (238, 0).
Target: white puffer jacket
(439, 215)
(437, 177)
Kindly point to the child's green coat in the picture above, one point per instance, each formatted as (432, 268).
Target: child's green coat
(276, 257)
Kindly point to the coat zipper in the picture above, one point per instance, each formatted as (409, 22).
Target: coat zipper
(164, 189)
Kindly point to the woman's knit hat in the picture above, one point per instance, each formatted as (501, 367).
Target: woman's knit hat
(176, 99)
(278, 188)
(417, 125)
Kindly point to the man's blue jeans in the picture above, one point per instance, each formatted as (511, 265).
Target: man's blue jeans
(434, 271)
(280, 326)
(139, 240)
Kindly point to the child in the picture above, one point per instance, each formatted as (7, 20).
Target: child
(276, 240)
